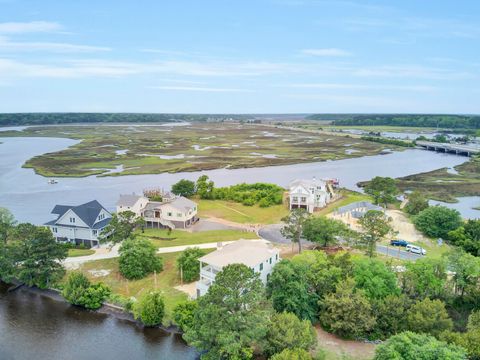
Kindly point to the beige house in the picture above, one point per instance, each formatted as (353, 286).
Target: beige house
(178, 212)
(259, 255)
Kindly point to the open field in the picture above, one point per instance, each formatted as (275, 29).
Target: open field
(166, 281)
(240, 213)
(443, 185)
(80, 252)
(161, 238)
(147, 149)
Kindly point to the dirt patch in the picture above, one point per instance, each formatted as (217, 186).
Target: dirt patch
(334, 344)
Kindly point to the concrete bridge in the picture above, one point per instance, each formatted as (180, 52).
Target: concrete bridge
(466, 150)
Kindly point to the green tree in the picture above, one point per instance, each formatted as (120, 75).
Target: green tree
(382, 189)
(376, 226)
(138, 259)
(470, 341)
(184, 314)
(391, 314)
(38, 256)
(150, 309)
(474, 321)
(409, 345)
(424, 278)
(75, 287)
(467, 237)
(416, 203)
(429, 316)
(189, 265)
(7, 221)
(95, 295)
(323, 230)
(6, 262)
(437, 221)
(290, 289)
(287, 331)
(292, 354)
(375, 279)
(184, 188)
(466, 272)
(294, 224)
(121, 227)
(204, 187)
(232, 317)
(347, 312)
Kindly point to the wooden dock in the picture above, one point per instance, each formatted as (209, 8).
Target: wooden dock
(465, 150)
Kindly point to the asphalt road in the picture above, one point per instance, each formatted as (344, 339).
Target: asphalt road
(272, 233)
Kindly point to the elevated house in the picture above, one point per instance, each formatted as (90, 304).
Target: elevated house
(258, 255)
(310, 194)
(80, 224)
(173, 212)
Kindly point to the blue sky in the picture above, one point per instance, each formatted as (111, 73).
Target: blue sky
(263, 56)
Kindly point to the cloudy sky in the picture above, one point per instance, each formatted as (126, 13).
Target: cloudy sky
(248, 56)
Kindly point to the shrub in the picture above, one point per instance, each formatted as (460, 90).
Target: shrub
(150, 309)
(189, 265)
(138, 259)
(184, 313)
(429, 316)
(79, 291)
(95, 295)
(438, 221)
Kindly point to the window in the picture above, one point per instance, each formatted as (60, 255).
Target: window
(101, 217)
(95, 232)
(270, 260)
(261, 266)
(72, 220)
(169, 214)
(295, 198)
(276, 257)
(54, 229)
(304, 199)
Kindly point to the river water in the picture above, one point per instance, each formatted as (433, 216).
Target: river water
(33, 326)
(31, 198)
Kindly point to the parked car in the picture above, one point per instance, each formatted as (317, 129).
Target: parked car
(398, 243)
(416, 249)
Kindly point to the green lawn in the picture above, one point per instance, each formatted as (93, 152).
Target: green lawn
(239, 213)
(161, 238)
(347, 197)
(80, 252)
(166, 281)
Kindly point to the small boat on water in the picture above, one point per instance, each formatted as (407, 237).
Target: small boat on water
(52, 181)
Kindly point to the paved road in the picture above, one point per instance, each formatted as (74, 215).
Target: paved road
(272, 233)
(397, 252)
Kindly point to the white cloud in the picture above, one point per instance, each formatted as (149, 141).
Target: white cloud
(326, 52)
(7, 45)
(341, 86)
(411, 71)
(28, 27)
(200, 89)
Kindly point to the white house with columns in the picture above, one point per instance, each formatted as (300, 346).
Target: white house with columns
(310, 194)
(259, 255)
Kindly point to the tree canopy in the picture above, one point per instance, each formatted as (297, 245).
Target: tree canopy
(438, 221)
(323, 230)
(188, 264)
(376, 226)
(138, 259)
(382, 189)
(184, 188)
(121, 227)
(294, 226)
(375, 279)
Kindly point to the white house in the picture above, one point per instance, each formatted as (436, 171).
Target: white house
(258, 255)
(178, 212)
(310, 194)
(80, 224)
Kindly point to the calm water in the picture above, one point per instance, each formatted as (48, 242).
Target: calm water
(36, 327)
(465, 205)
(31, 199)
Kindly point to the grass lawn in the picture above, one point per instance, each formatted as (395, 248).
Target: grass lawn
(80, 252)
(179, 237)
(239, 213)
(166, 281)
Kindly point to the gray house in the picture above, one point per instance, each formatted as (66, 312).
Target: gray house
(80, 224)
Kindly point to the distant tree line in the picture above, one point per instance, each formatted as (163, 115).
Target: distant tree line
(70, 118)
(414, 120)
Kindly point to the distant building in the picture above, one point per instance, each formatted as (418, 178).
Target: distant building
(310, 194)
(178, 212)
(80, 224)
(258, 255)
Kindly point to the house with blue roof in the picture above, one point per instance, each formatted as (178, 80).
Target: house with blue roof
(80, 224)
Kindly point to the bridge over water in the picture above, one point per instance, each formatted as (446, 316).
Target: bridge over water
(466, 150)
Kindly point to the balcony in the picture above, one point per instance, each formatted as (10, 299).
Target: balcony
(208, 272)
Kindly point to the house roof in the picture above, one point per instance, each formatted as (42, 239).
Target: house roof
(88, 212)
(128, 200)
(247, 252)
(307, 183)
(182, 203)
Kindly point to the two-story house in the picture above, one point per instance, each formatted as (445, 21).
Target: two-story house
(177, 212)
(310, 194)
(80, 224)
(258, 255)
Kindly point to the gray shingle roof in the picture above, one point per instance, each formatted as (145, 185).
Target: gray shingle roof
(128, 200)
(88, 212)
(182, 203)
